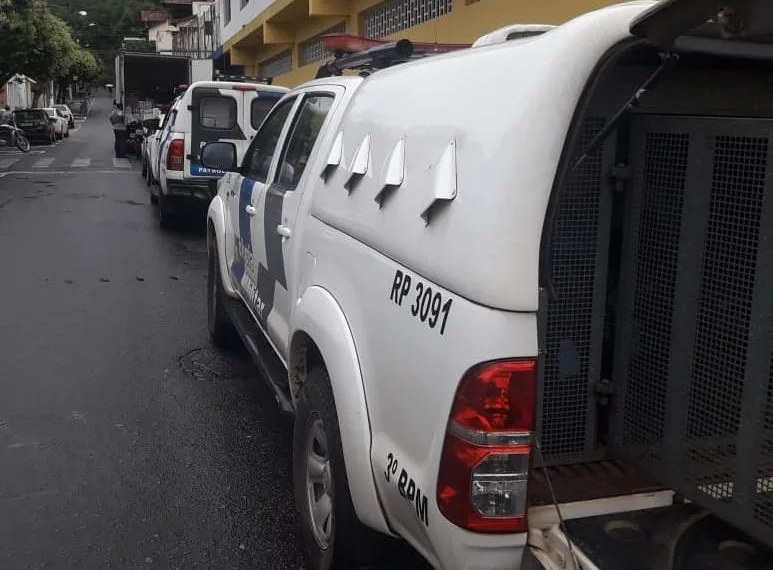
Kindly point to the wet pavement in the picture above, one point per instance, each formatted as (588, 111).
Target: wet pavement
(126, 440)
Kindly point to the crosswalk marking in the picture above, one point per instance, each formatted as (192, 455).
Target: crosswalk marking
(9, 162)
(47, 163)
(43, 163)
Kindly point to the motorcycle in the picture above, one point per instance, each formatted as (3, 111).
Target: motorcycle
(11, 135)
(135, 135)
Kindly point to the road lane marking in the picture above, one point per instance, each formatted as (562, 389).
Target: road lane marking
(43, 163)
(121, 163)
(8, 162)
(81, 163)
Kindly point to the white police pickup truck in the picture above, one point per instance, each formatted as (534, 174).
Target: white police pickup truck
(518, 296)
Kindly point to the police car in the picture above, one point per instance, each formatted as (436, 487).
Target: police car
(509, 292)
(206, 111)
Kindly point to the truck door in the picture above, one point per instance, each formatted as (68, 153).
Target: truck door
(214, 117)
(280, 208)
(244, 194)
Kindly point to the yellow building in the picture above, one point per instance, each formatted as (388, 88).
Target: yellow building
(283, 41)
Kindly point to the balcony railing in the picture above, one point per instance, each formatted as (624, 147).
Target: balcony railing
(199, 36)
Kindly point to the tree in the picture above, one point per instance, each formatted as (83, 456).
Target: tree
(39, 44)
(105, 24)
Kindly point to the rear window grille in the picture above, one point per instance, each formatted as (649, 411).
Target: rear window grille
(722, 334)
(665, 167)
(694, 342)
(567, 370)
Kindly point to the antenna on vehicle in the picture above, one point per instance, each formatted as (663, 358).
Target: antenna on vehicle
(561, 522)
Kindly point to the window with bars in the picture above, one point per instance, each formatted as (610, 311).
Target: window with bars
(313, 50)
(395, 15)
(277, 65)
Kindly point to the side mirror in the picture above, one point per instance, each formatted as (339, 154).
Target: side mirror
(219, 156)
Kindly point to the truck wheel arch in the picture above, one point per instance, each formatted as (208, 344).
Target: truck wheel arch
(216, 231)
(321, 337)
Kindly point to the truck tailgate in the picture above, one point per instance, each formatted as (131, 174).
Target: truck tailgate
(677, 537)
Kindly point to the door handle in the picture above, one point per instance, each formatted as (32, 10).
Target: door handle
(283, 231)
(250, 209)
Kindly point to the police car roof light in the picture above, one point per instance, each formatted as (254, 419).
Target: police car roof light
(243, 78)
(367, 55)
(378, 57)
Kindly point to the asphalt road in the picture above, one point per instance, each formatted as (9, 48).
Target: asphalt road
(126, 440)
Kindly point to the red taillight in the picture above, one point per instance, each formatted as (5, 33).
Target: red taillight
(484, 468)
(175, 158)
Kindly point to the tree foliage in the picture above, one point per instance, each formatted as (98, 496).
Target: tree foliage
(105, 24)
(36, 42)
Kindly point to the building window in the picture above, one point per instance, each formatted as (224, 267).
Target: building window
(395, 15)
(277, 65)
(226, 10)
(313, 50)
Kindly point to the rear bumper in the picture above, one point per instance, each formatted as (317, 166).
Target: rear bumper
(37, 134)
(458, 549)
(198, 190)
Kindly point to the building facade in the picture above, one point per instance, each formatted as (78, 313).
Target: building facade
(281, 38)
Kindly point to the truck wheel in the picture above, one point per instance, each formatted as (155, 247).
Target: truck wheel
(333, 538)
(165, 217)
(144, 169)
(221, 330)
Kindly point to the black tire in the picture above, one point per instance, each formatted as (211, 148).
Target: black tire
(52, 138)
(351, 544)
(166, 217)
(144, 169)
(67, 133)
(221, 330)
(22, 143)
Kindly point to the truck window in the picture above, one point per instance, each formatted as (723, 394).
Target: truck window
(257, 160)
(217, 113)
(308, 124)
(259, 108)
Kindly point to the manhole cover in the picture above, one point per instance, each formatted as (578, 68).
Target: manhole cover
(213, 363)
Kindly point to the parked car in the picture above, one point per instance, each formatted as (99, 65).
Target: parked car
(152, 131)
(532, 325)
(206, 111)
(61, 129)
(66, 112)
(36, 124)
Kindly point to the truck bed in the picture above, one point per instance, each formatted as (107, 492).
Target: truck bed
(678, 537)
(588, 481)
